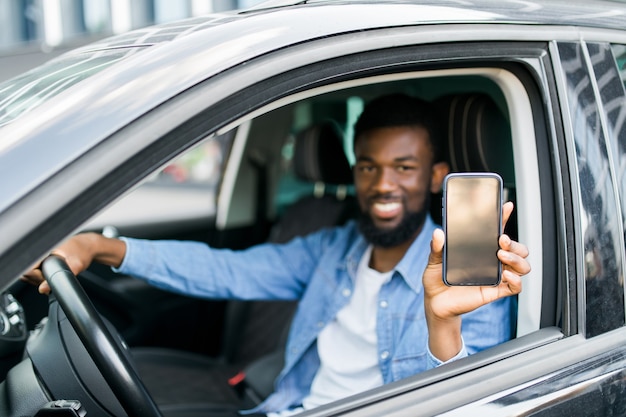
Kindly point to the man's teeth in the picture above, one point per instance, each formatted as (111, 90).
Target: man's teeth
(386, 207)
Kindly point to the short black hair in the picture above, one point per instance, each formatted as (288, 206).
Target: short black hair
(400, 110)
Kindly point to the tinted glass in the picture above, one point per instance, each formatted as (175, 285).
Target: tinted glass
(614, 101)
(599, 214)
(619, 52)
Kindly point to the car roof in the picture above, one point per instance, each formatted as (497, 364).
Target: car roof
(179, 55)
(599, 14)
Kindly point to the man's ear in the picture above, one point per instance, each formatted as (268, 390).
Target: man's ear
(439, 172)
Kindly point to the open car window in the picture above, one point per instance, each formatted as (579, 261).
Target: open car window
(485, 111)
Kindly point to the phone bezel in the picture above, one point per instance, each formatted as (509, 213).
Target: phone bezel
(473, 175)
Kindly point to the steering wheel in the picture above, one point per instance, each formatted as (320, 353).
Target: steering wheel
(104, 350)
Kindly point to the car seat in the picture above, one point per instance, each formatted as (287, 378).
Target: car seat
(184, 383)
(477, 138)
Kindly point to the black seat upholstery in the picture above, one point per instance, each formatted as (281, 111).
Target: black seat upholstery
(183, 383)
(477, 134)
(319, 158)
(477, 138)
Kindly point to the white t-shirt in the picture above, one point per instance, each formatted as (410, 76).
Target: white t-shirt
(348, 346)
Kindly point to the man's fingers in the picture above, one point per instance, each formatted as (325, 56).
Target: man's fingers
(44, 288)
(34, 277)
(514, 262)
(512, 281)
(507, 210)
(436, 247)
(510, 245)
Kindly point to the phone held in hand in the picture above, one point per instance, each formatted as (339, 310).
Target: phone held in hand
(472, 223)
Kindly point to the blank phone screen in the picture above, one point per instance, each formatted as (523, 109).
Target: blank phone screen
(472, 223)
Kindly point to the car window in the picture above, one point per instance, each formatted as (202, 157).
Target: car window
(603, 270)
(198, 167)
(184, 192)
(616, 111)
(481, 113)
(619, 52)
(491, 112)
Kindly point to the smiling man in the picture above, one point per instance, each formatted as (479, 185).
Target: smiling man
(373, 307)
(398, 168)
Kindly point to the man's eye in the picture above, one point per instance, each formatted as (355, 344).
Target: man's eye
(366, 168)
(403, 168)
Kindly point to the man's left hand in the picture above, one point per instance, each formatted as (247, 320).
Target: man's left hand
(444, 304)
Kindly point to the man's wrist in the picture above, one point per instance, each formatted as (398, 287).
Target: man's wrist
(434, 362)
(444, 336)
(106, 250)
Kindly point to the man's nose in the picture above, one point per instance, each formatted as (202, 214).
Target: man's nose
(385, 180)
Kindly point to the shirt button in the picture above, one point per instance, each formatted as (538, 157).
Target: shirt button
(320, 324)
(384, 355)
(383, 304)
(346, 292)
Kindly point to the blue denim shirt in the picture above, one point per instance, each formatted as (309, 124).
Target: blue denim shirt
(318, 269)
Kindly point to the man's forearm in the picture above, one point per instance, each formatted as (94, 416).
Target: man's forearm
(444, 337)
(113, 252)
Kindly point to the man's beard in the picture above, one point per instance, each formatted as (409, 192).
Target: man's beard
(388, 238)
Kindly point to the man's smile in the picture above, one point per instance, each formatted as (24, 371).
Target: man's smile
(386, 209)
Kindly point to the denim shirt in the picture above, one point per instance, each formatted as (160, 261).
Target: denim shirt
(319, 270)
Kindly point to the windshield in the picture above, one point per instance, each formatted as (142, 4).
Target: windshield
(27, 91)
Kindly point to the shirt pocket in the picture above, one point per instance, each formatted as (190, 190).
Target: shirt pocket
(408, 364)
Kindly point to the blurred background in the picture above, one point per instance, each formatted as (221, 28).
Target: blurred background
(33, 31)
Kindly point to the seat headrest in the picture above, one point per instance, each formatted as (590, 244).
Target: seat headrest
(319, 155)
(477, 134)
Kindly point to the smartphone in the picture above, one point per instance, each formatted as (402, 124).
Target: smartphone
(472, 223)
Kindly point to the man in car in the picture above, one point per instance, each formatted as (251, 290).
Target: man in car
(373, 307)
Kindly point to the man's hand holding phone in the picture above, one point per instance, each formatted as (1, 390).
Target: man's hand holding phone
(444, 304)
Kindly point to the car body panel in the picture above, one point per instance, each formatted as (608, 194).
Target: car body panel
(91, 144)
(533, 382)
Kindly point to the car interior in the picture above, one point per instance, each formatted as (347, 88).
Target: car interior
(280, 173)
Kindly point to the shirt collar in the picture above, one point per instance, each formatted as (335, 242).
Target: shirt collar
(412, 265)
